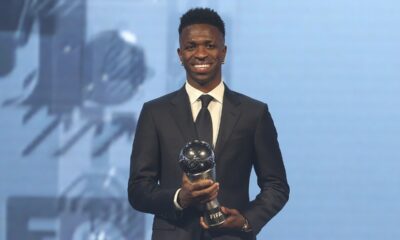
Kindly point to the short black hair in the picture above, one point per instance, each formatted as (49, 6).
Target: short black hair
(202, 16)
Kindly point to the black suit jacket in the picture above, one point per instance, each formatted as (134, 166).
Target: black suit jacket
(247, 138)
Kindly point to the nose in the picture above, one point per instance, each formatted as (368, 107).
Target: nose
(201, 52)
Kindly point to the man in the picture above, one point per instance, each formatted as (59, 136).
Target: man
(241, 130)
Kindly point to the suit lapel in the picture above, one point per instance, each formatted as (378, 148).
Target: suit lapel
(182, 114)
(230, 116)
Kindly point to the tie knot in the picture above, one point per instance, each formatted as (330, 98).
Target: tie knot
(205, 100)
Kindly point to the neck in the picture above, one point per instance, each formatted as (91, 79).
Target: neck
(205, 88)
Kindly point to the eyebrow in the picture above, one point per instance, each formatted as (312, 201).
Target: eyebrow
(201, 42)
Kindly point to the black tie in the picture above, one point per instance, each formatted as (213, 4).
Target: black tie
(203, 120)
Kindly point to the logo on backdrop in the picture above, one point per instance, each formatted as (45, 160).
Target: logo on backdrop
(80, 84)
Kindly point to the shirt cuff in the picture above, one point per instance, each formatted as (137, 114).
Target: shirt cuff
(177, 206)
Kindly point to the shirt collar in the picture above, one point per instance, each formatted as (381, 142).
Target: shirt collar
(217, 93)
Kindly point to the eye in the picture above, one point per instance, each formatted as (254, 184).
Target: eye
(190, 47)
(210, 46)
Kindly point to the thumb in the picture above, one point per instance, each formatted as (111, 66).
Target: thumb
(229, 211)
(226, 210)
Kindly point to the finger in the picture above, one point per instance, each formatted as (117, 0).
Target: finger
(202, 184)
(213, 196)
(224, 210)
(184, 178)
(229, 211)
(210, 198)
(197, 185)
(213, 190)
(227, 223)
(206, 192)
(203, 223)
(194, 190)
(186, 184)
(231, 222)
(199, 196)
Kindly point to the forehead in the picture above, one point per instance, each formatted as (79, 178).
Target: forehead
(201, 32)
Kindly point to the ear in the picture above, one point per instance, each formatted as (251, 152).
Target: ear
(224, 51)
(178, 50)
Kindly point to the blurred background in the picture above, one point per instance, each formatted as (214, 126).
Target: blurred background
(74, 75)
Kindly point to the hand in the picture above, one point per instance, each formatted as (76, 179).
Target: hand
(233, 219)
(201, 191)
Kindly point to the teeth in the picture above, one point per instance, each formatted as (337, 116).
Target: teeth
(202, 65)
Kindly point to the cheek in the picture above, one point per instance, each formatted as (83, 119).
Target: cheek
(186, 57)
(219, 57)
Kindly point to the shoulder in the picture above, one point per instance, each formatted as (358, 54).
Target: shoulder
(246, 102)
(162, 101)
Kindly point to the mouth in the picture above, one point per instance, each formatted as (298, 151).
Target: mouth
(204, 67)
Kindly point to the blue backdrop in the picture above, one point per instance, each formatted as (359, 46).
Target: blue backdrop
(74, 75)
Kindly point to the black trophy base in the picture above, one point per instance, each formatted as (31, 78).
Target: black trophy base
(214, 217)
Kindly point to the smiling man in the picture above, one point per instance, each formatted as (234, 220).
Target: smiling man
(202, 51)
(239, 128)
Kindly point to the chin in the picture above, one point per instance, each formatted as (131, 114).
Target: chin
(203, 82)
(203, 79)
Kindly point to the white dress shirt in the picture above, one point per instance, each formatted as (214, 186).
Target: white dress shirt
(215, 109)
(215, 106)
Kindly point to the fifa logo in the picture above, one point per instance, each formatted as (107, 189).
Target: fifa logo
(215, 215)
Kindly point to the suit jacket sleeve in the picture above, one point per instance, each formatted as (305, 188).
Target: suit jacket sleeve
(144, 191)
(271, 176)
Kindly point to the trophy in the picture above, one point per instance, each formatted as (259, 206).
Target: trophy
(196, 159)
